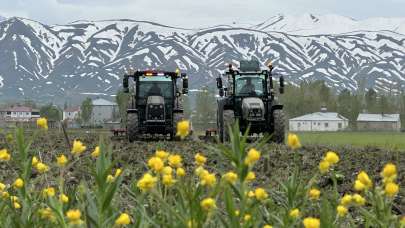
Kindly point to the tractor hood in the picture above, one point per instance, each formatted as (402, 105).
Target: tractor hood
(253, 109)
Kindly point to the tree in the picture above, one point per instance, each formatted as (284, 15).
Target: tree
(122, 101)
(205, 108)
(86, 109)
(51, 112)
(371, 100)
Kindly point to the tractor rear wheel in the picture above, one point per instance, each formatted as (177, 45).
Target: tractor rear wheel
(279, 127)
(132, 126)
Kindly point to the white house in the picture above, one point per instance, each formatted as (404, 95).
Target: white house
(103, 111)
(71, 113)
(319, 121)
(19, 114)
(378, 122)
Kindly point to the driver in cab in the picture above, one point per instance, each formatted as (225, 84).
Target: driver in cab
(248, 88)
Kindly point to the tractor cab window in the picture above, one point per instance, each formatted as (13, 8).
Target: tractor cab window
(155, 86)
(250, 85)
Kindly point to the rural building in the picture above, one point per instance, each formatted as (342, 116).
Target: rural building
(19, 114)
(319, 121)
(103, 111)
(378, 122)
(71, 113)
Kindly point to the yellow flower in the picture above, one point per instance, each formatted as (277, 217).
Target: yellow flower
(117, 173)
(110, 178)
(5, 195)
(42, 123)
(365, 179)
(4, 155)
(74, 216)
(332, 157)
(16, 205)
(293, 141)
(183, 128)
(161, 154)
(167, 170)
(247, 217)
(208, 204)
(208, 180)
(175, 161)
(250, 176)
(324, 166)
(314, 194)
(63, 198)
(341, 210)
(359, 186)
(78, 147)
(237, 212)
(359, 200)
(200, 159)
(346, 200)
(147, 182)
(46, 213)
(389, 173)
(123, 219)
(41, 167)
(267, 226)
(19, 183)
(261, 194)
(231, 177)
(168, 180)
(156, 164)
(96, 152)
(34, 161)
(14, 198)
(310, 222)
(251, 194)
(2, 187)
(180, 172)
(48, 192)
(252, 157)
(61, 160)
(294, 213)
(391, 189)
(200, 171)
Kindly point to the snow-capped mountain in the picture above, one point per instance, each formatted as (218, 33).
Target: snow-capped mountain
(89, 58)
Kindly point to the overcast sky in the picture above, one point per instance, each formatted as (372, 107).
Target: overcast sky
(193, 13)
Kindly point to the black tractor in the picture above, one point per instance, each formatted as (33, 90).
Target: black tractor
(155, 104)
(250, 100)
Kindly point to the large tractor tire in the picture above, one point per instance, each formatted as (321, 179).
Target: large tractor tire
(278, 135)
(177, 117)
(132, 126)
(225, 119)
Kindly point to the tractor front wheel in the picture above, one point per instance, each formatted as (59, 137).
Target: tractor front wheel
(279, 127)
(132, 126)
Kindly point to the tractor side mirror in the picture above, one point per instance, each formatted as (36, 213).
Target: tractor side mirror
(281, 85)
(125, 84)
(185, 83)
(219, 83)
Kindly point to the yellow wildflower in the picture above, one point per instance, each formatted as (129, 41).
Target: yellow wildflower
(341, 210)
(5, 195)
(78, 147)
(41, 167)
(117, 173)
(200, 171)
(61, 160)
(2, 187)
(208, 204)
(175, 161)
(247, 217)
(46, 213)
(294, 213)
(310, 222)
(161, 154)
(252, 157)
(251, 194)
(34, 161)
(156, 164)
(19, 183)
(74, 216)
(365, 179)
(359, 186)
(332, 157)
(267, 226)
(123, 219)
(42, 123)
(167, 170)
(314, 194)
(168, 180)
(4, 155)
(110, 178)
(346, 200)
(293, 141)
(208, 180)
(324, 166)
(17, 205)
(147, 182)
(180, 172)
(63, 198)
(231, 177)
(389, 173)
(391, 189)
(261, 194)
(96, 152)
(200, 159)
(237, 212)
(250, 176)
(359, 200)
(183, 128)
(48, 192)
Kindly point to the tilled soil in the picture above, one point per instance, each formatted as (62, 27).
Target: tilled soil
(277, 163)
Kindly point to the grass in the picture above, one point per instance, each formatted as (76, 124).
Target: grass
(387, 140)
